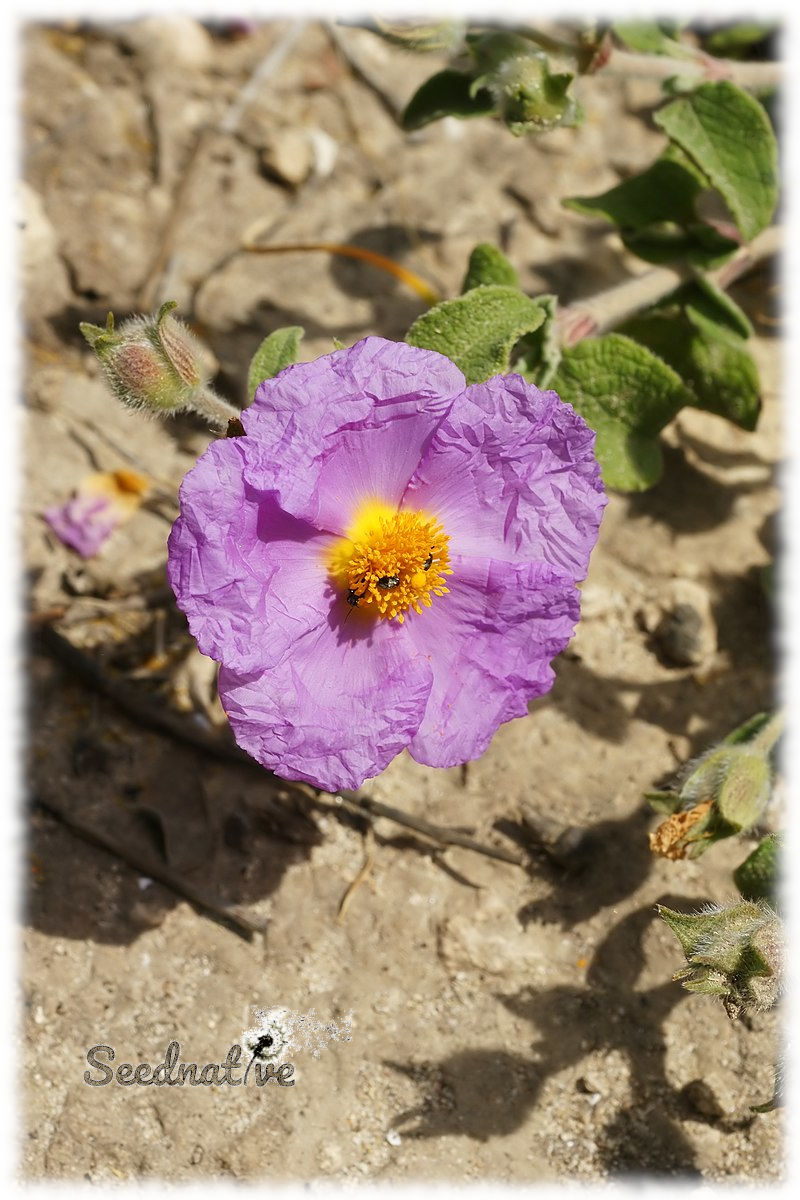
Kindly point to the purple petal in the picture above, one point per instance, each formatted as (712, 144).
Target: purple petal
(511, 474)
(347, 428)
(250, 578)
(490, 642)
(336, 710)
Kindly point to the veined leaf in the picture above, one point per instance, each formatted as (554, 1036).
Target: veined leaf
(277, 351)
(728, 135)
(478, 330)
(627, 395)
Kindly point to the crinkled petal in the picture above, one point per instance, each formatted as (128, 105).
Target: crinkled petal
(250, 578)
(336, 710)
(490, 641)
(511, 473)
(349, 427)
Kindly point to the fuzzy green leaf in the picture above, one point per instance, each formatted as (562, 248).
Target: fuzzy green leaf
(446, 94)
(664, 802)
(757, 878)
(657, 215)
(712, 361)
(706, 296)
(487, 264)
(540, 351)
(627, 395)
(478, 330)
(733, 41)
(751, 729)
(647, 37)
(664, 192)
(728, 135)
(277, 351)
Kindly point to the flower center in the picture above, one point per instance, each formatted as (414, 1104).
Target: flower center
(391, 562)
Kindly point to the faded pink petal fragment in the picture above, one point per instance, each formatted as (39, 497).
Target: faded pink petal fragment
(102, 502)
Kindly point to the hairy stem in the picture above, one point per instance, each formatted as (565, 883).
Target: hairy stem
(217, 412)
(756, 76)
(604, 311)
(753, 75)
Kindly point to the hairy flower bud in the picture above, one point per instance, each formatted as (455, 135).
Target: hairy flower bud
(733, 951)
(722, 793)
(157, 364)
(529, 97)
(150, 362)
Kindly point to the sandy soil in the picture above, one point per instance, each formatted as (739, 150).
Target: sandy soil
(511, 1023)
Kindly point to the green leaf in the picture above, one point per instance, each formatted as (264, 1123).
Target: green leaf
(647, 37)
(758, 877)
(734, 40)
(487, 264)
(657, 216)
(751, 728)
(664, 802)
(702, 247)
(446, 94)
(665, 191)
(706, 296)
(712, 361)
(627, 395)
(540, 351)
(630, 461)
(277, 351)
(478, 330)
(728, 135)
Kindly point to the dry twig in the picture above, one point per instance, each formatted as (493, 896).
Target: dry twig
(228, 914)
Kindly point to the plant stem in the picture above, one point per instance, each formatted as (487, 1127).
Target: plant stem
(753, 75)
(217, 412)
(624, 63)
(610, 308)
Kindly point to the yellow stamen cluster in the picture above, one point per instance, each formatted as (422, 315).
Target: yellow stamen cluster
(391, 562)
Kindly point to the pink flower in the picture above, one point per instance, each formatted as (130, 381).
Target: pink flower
(388, 559)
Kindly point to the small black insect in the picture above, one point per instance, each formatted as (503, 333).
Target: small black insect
(426, 566)
(353, 596)
(264, 1042)
(387, 582)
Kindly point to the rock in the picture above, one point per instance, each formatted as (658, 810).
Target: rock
(44, 281)
(168, 42)
(288, 156)
(495, 951)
